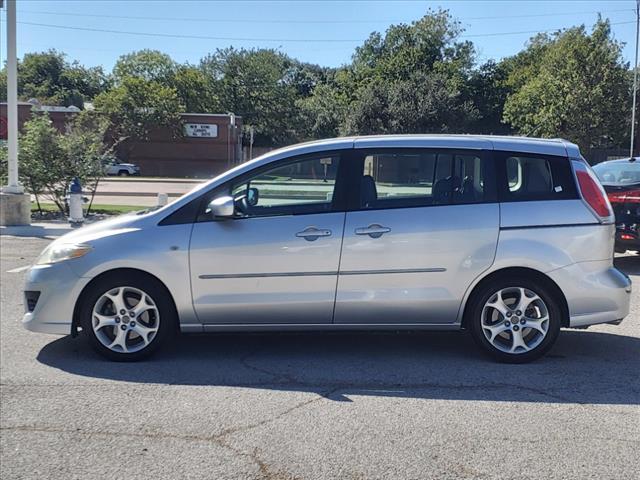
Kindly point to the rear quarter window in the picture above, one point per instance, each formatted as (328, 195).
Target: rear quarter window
(528, 177)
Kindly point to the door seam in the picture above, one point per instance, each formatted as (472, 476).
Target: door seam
(193, 303)
(335, 293)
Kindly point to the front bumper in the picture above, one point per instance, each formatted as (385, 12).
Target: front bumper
(59, 288)
(596, 292)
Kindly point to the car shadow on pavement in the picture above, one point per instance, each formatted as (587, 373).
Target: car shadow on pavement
(629, 264)
(584, 366)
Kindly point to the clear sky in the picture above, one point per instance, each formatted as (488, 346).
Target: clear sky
(323, 32)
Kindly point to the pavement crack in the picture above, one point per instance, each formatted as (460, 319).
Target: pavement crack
(245, 428)
(274, 375)
(222, 439)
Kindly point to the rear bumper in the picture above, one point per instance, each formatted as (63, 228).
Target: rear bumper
(596, 292)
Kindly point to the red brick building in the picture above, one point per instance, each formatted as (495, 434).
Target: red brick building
(210, 142)
(60, 116)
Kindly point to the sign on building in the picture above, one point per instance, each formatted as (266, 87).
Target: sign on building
(208, 130)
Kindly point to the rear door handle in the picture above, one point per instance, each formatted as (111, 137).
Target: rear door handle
(312, 233)
(374, 231)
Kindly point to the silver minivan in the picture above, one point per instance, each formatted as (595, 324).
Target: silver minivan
(508, 238)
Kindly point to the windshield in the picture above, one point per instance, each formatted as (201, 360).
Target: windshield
(618, 173)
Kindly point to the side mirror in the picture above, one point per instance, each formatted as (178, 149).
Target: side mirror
(222, 207)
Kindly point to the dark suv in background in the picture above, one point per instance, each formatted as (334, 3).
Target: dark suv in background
(621, 180)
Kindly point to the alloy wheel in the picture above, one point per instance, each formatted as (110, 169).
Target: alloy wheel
(125, 319)
(515, 320)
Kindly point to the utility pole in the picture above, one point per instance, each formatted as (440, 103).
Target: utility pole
(12, 100)
(231, 125)
(251, 133)
(14, 204)
(635, 81)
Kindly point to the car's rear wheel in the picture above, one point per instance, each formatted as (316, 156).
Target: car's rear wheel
(127, 318)
(515, 320)
(123, 173)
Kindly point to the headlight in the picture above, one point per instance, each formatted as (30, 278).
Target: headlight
(64, 251)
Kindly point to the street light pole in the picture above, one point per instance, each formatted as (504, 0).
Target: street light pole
(635, 81)
(251, 133)
(15, 205)
(12, 101)
(231, 125)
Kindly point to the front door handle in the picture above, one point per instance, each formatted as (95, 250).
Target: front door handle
(312, 233)
(374, 231)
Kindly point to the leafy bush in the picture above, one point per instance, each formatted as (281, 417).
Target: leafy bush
(49, 160)
(4, 166)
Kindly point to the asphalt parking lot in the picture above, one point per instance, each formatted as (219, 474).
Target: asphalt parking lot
(347, 406)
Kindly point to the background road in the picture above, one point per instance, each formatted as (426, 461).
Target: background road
(316, 406)
(141, 191)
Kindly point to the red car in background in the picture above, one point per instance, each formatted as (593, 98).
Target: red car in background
(621, 180)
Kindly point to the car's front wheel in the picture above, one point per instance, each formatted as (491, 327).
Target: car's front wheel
(127, 317)
(515, 320)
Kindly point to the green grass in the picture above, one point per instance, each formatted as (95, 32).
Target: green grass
(95, 208)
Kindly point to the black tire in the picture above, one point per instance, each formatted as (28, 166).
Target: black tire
(483, 294)
(167, 322)
(123, 173)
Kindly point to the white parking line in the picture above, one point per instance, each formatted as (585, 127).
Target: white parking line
(19, 269)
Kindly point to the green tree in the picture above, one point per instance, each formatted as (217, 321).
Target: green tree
(149, 65)
(412, 79)
(258, 85)
(195, 91)
(4, 164)
(430, 43)
(193, 87)
(574, 85)
(51, 79)
(322, 114)
(305, 77)
(136, 107)
(42, 162)
(50, 160)
(488, 91)
(85, 149)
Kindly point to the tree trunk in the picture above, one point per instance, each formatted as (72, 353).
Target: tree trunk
(38, 203)
(93, 194)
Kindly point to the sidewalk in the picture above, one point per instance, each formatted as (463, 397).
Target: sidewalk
(42, 229)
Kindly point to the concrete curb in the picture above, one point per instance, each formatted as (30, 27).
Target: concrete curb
(134, 194)
(155, 180)
(40, 230)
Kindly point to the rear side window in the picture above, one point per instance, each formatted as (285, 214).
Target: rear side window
(525, 177)
(413, 177)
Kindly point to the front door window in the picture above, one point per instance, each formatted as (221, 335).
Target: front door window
(302, 187)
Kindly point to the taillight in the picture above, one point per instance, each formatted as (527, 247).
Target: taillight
(592, 192)
(629, 196)
(633, 196)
